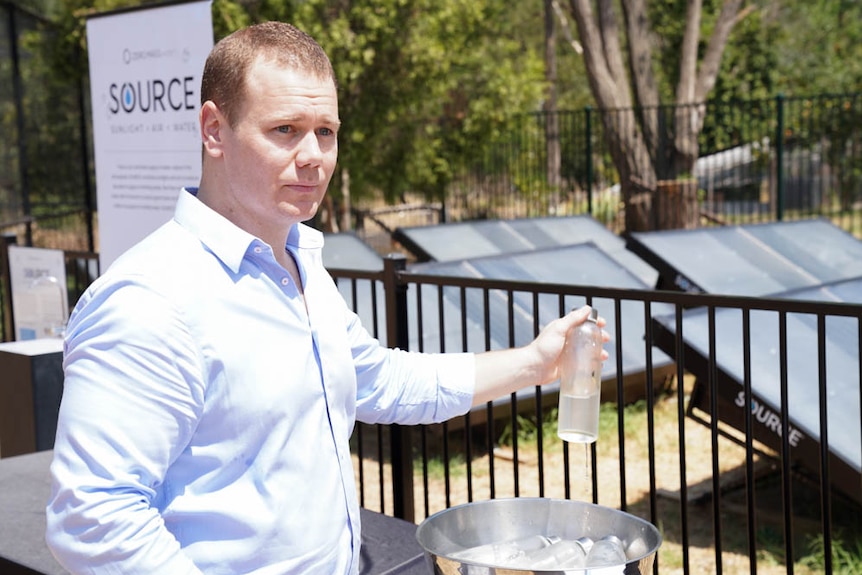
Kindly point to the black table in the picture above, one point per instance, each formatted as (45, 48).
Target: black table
(389, 545)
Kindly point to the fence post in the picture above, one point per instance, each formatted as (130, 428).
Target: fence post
(779, 157)
(7, 322)
(85, 157)
(400, 436)
(589, 153)
(20, 124)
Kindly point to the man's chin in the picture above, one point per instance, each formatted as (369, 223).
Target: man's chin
(310, 213)
(301, 212)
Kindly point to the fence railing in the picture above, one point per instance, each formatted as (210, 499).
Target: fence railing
(45, 169)
(758, 161)
(731, 488)
(765, 160)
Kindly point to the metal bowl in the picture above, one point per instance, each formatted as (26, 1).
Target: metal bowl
(454, 530)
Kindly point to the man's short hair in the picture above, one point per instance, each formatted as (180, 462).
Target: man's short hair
(231, 58)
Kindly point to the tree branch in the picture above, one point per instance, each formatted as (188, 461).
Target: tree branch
(727, 19)
(640, 52)
(567, 30)
(644, 85)
(605, 90)
(611, 42)
(685, 89)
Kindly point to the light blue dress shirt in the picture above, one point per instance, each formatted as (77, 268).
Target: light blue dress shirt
(207, 409)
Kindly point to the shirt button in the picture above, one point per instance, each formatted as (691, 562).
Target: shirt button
(284, 281)
(257, 249)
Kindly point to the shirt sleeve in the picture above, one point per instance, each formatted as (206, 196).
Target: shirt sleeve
(132, 394)
(409, 388)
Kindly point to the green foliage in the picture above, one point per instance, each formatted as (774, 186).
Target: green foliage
(846, 551)
(668, 24)
(820, 47)
(749, 66)
(428, 87)
(70, 38)
(749, 61)
(424, 86)
(48, 129)
(527, 428)
(438, 468)
(846, 554)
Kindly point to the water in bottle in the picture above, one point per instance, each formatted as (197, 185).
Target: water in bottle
(580, 382)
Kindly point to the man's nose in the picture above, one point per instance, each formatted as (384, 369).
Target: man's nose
(309, 152)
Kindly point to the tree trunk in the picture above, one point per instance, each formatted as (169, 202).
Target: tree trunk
(637, 174)
(676, 205)
(345, 195)
(649, 158)
(552, 121)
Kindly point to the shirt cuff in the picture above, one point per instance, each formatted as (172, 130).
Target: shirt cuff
(457, 374)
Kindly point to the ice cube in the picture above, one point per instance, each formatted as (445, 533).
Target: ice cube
(564, 554)
(637, 549)
(486, 554)
(503, 553)
(607, 552)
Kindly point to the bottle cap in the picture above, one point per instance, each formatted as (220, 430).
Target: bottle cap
(594, 315)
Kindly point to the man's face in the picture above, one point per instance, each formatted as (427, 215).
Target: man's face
(281, 152)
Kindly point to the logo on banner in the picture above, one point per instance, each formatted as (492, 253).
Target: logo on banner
(154, 94)
(130, 56)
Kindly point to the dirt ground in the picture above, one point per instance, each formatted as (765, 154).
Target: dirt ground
(552, 481)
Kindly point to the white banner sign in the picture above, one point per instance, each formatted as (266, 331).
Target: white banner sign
(145, 75)
(40, 303)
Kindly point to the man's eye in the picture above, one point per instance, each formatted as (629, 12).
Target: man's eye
(325, 132)
(284, 129)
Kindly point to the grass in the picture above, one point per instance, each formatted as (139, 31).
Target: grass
(846, 557)
(846, 547)
(527, 426)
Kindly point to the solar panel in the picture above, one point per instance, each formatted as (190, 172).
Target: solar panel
(803, 395)
(583, 264)
(804, 259)
(463, 240)
(347, 251)
(847, 291)
(751, 260)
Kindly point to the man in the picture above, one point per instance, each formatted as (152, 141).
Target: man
(214, 373)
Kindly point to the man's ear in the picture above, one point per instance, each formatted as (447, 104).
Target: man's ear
(212, 121)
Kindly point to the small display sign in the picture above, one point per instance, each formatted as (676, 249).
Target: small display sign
(40, 301)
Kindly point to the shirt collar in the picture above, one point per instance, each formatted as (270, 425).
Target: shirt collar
(223, 238)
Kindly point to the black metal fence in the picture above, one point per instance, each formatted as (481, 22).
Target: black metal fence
(741, 490)
(768, 489)
(760, 160)
(46, 197)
